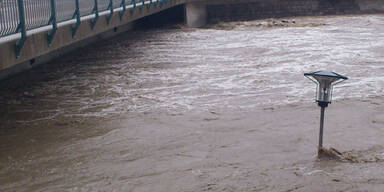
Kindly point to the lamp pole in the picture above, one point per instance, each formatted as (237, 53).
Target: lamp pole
(321, 127)
(322, 106)
(325, 81)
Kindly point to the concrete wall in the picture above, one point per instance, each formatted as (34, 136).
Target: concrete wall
(195, 14)
(371, 5)
(36, 50)
(229, 10)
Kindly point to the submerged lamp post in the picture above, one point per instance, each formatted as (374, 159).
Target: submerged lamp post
(325, 81)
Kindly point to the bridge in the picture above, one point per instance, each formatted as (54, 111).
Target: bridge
(35, 31)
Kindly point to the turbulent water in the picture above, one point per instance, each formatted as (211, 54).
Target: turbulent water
(241, 65)
(183, 69)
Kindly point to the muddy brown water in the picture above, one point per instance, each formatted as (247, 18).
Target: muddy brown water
(223, 108)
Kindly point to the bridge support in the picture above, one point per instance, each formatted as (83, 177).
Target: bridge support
(195, 14)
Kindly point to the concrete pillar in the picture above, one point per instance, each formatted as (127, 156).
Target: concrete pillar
(195, 14)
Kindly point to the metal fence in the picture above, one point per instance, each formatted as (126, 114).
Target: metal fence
(9, 17)
(20, 15)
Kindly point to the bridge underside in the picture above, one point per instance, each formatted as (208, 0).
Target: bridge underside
(197, 13)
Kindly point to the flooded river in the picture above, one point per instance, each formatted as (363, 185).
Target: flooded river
(222, 108)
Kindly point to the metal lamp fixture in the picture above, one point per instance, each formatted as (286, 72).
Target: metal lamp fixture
(325, 81)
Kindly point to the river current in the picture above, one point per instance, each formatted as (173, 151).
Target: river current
(174, 70)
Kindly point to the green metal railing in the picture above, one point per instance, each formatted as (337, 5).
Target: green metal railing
(19, 16)
(39, 13)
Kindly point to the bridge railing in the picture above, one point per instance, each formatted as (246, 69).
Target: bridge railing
(9, 17)
(19, 15)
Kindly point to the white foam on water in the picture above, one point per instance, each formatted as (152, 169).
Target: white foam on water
(246, 67)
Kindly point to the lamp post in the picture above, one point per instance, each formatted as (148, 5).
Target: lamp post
(325, 81)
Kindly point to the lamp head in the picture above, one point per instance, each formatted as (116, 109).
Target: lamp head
(325, 81)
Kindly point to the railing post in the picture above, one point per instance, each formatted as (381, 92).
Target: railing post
(142, 5)
(110, 7)
(52, 20)
(133, 2)
(77, 15)
(124, 8)
(96, 12)
(149, 6)
(20, 28)
(161, 3)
